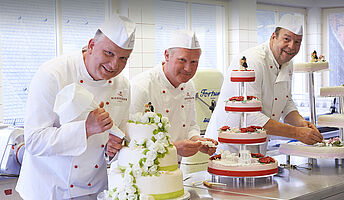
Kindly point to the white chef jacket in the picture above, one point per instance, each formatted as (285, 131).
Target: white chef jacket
(272, 86)
(59, 161)
(178, 104)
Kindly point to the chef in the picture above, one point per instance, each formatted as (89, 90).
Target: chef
(273, 68)
(169, 89)
(66, 160)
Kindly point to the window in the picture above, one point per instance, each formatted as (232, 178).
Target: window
(28, 39)
(336, 47)
(333, 20)
(207, 20)
(165, 12)
(80, 20)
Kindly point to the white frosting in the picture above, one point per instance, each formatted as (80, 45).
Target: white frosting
(310, 66)
(244, 104)
(242, 73)
(207, 143)
(140, 132)
(230, 162)
(311, 151)
(133, 155)
(334, 120)
(235, 133)
(166, 182)
(254, 166)
(336, 91)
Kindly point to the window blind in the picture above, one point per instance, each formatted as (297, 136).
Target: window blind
(28, 39)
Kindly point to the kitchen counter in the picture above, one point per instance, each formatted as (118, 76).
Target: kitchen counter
(325, 180)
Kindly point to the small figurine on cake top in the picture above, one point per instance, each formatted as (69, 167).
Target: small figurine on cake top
(149, 107)
(314, 56)
(243, 64)
(322, 58)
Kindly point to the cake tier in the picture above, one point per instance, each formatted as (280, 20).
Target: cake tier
(243, 76)
(310, 66)
(167, 185)
(128, 155)
(234, 136)
(311, 151)
(336, 91)
(140, 132)
(334, 120)
(244, 106)
(251, 170)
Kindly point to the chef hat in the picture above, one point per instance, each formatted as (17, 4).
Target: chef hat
(184, 39)
(72, 101)
(292, 23)
(120, 30)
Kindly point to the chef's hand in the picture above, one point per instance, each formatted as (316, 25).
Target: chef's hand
(187, 148)
(311, 125)
(98, 121)
(114, 144)
(205, 148)
(309, 135)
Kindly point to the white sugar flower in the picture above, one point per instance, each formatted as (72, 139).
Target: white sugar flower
(122, 196)
(164, 142)
(159, 136)
(149, 162)
(153, 147)
(156, 119)
(145, 167)
(151, 155)
(132, 196)
(159, 125)
(137, 171)
(128, 180)
(153, 169)
(144, 119)
(164, 120)
(130, 189)
(149, 143)
(160, 148)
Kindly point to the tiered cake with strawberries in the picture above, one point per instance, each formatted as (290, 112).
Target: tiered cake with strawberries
(244, 164)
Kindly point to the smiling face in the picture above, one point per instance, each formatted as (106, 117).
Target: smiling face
(285, 45)
(181, 64)
(104, 59)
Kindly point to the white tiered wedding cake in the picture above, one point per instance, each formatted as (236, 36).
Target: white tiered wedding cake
(147, 168)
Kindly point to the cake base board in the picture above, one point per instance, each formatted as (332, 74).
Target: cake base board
(273, 172)
(242, 141)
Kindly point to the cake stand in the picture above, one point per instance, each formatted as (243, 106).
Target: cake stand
(312, 67)
(242, 123)
(341, 130)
